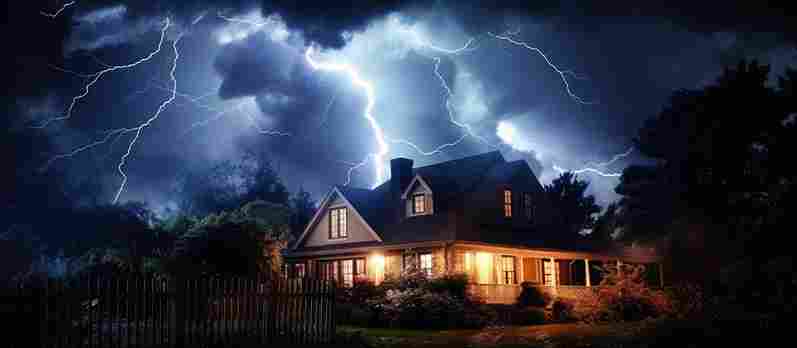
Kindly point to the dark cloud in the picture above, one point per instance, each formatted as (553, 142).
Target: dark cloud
(255, 65)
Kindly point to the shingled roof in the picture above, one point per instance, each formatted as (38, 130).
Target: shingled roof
(448, 180)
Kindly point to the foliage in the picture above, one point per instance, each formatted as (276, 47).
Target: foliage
(622, 296)
(571, 209)
(227, 185)
(241, 242)
(531, 295)
(454, 284)
(303, 208)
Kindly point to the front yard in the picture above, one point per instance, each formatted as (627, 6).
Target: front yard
(638, 334)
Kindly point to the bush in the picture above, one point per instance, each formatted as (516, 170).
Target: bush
(624, 296)
(562, 311)
(533, 296)
(455, 285)
(414, 301)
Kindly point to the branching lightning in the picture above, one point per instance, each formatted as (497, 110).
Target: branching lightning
(590, 166)
(140, 128)
(98, 75)
(615, 158)
(562, 73)
(58, 12)
(560, 170)
(383, 148)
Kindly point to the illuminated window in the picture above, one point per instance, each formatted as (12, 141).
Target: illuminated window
(508, 267)
(359, 269)
(508, 203)
(296, 270)
(328, 270)
(418, 204)
(527, 206)
(337, 223)
(426, 264)
(347, 270)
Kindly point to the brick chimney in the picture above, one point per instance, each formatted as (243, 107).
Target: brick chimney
(400, 175)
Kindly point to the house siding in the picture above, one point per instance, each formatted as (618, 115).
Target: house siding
(356, 228)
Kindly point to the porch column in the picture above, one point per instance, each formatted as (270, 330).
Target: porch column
(586, 271)
(661, 274)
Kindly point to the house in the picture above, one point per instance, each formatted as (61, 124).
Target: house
(480, 215)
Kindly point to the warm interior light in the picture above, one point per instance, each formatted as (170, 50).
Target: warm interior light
(484, 267)
(376, 265)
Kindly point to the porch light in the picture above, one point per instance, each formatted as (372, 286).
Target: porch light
(376, 265)
(484, 266)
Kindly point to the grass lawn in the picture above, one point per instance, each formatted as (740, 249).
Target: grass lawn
(549, 335)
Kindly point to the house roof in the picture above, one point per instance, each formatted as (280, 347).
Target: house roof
(449, 181)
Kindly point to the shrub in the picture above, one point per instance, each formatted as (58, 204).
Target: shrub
(562, 311)
(414, 301)
(455, 285)
(624, 296)
(533, 296)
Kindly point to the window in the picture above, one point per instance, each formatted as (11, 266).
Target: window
(347, 270)
(418, 203)
(527, 206)
(359, 269)
(426, 264)
(508, 203)
(337, 223)
(328, 270)
(508, 267)
(300, 271)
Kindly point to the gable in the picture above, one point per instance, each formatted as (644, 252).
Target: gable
(317, 231)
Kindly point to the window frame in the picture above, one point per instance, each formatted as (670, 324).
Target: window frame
(422, 201)
(341, 223)
(509, 273)
(507, 203)
(426, 270)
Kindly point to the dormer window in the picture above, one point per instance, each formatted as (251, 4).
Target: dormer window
(338, 223)
(507, 203)
(418, 204)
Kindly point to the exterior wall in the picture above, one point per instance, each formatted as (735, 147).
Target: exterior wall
(356, 228)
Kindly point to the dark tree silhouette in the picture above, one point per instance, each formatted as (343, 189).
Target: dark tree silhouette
(303, 208)
(572, 209)
(723, 177)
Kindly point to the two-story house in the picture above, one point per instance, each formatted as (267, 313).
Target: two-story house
(479, 215)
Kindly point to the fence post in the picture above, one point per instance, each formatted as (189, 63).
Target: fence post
(179, 312)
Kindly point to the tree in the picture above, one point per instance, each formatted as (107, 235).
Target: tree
(244, 241)
(304, 207)
(723, 177)
(607, 226)
(572, 209)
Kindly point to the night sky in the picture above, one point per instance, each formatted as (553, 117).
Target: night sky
(243, 82)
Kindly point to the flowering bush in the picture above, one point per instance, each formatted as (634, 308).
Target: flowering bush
(624, 296)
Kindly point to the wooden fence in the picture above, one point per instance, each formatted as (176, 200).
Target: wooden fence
(145, 311)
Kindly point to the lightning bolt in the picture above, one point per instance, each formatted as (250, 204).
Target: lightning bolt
(140, 128)
(58, 12)
(467, 47)
(562, 73)
(98, 75)
(585, 170)
(615, 158)
(354, 75)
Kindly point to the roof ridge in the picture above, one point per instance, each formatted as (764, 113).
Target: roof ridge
(485, 154)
